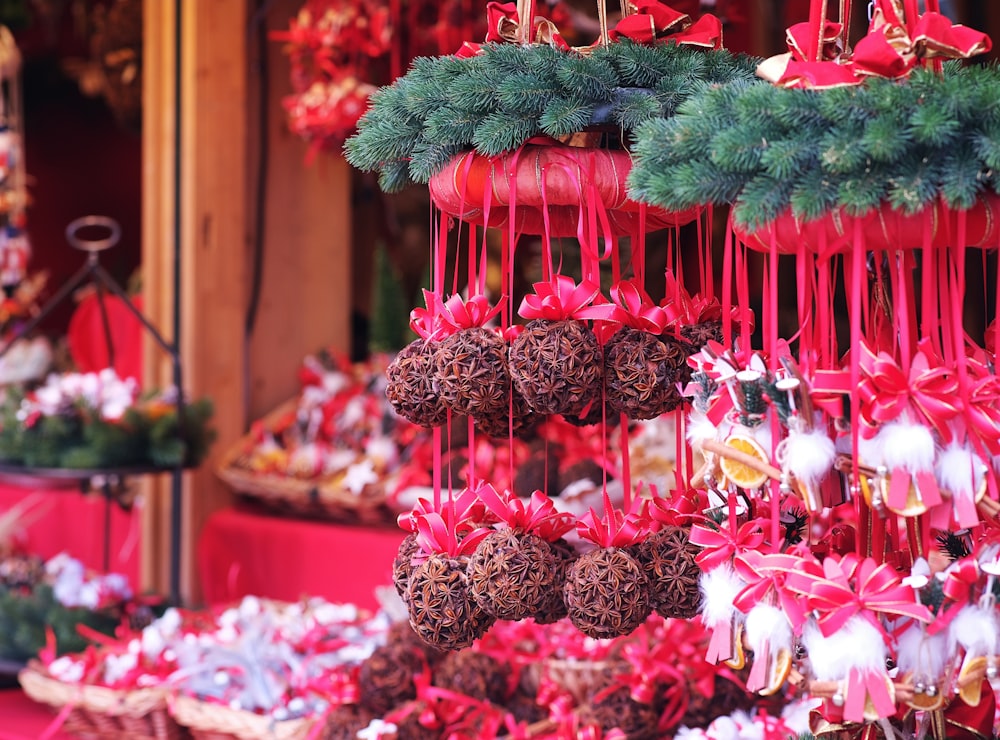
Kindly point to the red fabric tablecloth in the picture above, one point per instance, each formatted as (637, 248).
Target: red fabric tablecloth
(23, 719)
(244, 552)
(68, 521)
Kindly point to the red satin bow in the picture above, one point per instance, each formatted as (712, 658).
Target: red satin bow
(426, 322)
(434, 535)
(635, 308)
(960, 588)
(766, 577)
(657, 21)
(559, 299)
(877, 589)
(539, 516)
(720, 544)
(614, 529)
(504, 25)
(677, 511)
(982, 411)
(465, 510)
(929, 393)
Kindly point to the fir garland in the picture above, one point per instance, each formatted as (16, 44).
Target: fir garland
(497, 100)
(766, 149)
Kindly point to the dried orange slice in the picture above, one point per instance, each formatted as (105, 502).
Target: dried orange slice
(739, 659)
(739, 473)
(781, 666)
(970, 680)
(927, 699)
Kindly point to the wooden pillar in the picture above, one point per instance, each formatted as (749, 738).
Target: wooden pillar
(212, 168)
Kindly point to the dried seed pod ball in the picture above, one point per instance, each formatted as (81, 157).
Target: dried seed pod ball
(385, 679)
(511, 573)
(557, 366)
(474, 674)
(471, 372)
(606, 593)
(525, 708)
(698, 335)
(678, 352)
(726, 698)
(498, 425)
(540, 472)
(401, 633)
(667, 556)
(346, 721)
(402, 565)
(619, 710)
(411, 387)
(442, 611)
(638, 374)
(553, 606)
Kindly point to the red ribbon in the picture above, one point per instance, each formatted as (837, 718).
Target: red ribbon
(656, 21)
(475, 312)
(678, 511)
(503, 26)
(559, 299)
(539, 516)
(465, 510)
(929, 392)
(614, 529)
(766, 577)
(426, 322)
(434, 535)
(634, 308)
(960, 588)
(720, 545)
(982, 411)
(877, 589)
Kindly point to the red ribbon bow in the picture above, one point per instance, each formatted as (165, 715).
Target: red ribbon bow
(877, 589)
(721, 545)
(634, 308)
(982, 411)
(457, 314)
(614, 529)
(504, 26)
(929, 393)
(960, 588)
(464, 510)
(657, 21)
(559, 299)
(434, 535)
(426, 322)
(678, 511)
(539, 516)
(766, 577)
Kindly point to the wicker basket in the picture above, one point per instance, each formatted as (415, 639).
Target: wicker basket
(209, 721)
(101, 712)
(316, 498)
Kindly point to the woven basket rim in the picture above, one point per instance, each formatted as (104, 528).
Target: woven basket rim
(203, 716)
(41, 686)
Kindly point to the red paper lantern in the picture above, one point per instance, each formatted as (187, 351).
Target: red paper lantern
(547, 180)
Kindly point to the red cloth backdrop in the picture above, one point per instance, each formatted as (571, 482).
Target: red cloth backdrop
(73, 523)
(243, 552)
(23, 719)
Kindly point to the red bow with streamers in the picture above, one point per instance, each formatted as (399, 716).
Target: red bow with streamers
(634, 308)
(504, 26)
(721, 545)
(960, 588)
(614, 529)
(559, 299)
(766, 577)
(539, 516)
(929, 393)
(678, 511)
(982, 409)
(443, 318)
(426, 322)
(657, 21)
(465, 510)
(877, 589)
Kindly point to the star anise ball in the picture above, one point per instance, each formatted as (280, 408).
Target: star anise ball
(698, 335)
(618, 709)
(474, 674)
(402, 633)
(726, 698)
(498, 424)
(471, 371)
(557, 366)
(346, 721)
(442, 610)
(402, 564)
(540, 472)
(385, 679)
(668, 558)
(638, 374)
(553, 606)
(511, 572)
(411, 387)
(606, 593)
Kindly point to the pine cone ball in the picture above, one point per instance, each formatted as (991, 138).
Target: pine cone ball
(402, 565)
(442, 610)
(638, 374)
(498, 424)
(606, 593)
(386, 677)
(411, 387)
(511, 573)
(618, 709)
(698, 335)
(668, 560)
(557, 366)
(474, 674)
(553, 606)
(471, 372)
(346, 721)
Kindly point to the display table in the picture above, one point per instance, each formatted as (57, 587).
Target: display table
(23, 719)
(64, 520)
(245, 551)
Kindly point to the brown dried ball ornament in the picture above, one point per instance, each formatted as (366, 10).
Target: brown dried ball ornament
(385, 679)
(471, 372)
(402, 565)
(442, 611)
(726, 698)
(667, 556)
(498, 424)
(619, 710)
(606, 593)
(474, 674)
(409, 725)
(700, 334)
(553, 606)
(346, 721)
(557, 366)
(401, 633)
(411, 387)
(639, 372)
(540, 472)
(511, 573)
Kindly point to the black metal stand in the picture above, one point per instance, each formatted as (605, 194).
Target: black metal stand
(103, 282)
